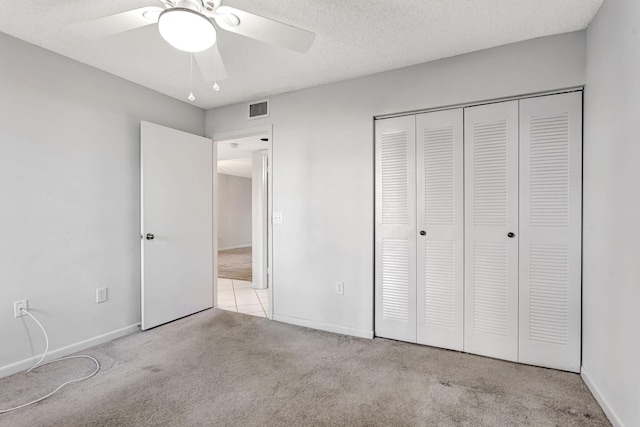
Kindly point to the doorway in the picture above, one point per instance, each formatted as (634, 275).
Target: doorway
(241, 236)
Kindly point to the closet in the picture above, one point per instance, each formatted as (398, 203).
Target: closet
(478, 229)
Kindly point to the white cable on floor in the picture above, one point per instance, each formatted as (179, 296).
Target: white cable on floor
(46, 337)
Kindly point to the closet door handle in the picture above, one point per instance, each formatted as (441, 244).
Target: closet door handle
(423, 233)
(511, 234)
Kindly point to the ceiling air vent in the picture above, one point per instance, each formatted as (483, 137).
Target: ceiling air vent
(259, 109)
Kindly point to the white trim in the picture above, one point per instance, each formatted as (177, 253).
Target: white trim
(22, 365)
(269, 277)
(324, 326)
(608, 410)
(241, 133)
(214, 229)
(234, 247)
(481, 102)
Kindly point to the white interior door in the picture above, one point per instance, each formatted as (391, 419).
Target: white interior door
(440, 247)
(177, 224)
(395, 244)
(550, 230)
(491, 215)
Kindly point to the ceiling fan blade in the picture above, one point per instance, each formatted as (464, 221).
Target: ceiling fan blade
(210, 64)
(113, 24)
(267, 30)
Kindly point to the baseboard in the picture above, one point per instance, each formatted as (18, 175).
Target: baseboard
(22, 365)
(324, 326)
(608, 410)
(228, 248)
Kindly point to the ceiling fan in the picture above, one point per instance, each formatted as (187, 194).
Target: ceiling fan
(188, 25)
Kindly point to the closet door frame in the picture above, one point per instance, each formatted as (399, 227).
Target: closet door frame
(512, 345)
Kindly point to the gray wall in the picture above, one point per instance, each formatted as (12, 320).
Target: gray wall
(69, 197)
(323, 165)
(234, 211)
(611, 280)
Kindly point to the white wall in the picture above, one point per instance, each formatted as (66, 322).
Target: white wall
(69, 197)
(611, 268)
(323, 165)
(234, 211)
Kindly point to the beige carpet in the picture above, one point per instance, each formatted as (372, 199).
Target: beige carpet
(218, 368)
(235, 264)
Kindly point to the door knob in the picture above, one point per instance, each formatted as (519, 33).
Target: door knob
(510, 234)
(150, 236)
(423, 233)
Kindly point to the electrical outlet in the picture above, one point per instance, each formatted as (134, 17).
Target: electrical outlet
(340, 288)
(101, 295)
(17, 306)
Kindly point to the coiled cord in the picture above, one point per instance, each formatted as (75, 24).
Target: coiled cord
(39, 364)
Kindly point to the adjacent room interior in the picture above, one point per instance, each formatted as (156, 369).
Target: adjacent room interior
(335, 213)
(242, 210)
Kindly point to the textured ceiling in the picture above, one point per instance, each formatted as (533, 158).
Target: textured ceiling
(353, 38)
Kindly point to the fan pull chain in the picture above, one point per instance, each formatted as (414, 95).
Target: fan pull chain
(216, 86)
(191, 96)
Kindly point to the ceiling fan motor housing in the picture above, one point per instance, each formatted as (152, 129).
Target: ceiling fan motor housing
(194, 5)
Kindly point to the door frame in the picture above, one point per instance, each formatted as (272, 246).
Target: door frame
(235, 134)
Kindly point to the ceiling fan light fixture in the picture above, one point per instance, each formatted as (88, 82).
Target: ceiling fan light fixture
(186, 29)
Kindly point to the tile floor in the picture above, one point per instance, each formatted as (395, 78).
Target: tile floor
(239, 296)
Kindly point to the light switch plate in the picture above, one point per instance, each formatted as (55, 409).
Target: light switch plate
(277, 218)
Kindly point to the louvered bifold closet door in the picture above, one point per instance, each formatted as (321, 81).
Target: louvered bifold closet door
(550, 230)
(395, 244)
(440, 251)
(491, 213)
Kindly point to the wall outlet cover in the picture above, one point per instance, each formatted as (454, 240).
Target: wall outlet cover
(340, 288)
(101, 295)
(17, 306)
